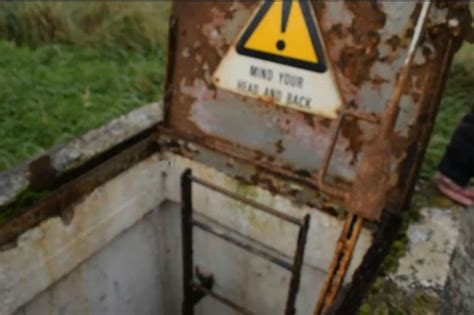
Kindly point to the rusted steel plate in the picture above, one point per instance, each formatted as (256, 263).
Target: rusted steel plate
(365, 44)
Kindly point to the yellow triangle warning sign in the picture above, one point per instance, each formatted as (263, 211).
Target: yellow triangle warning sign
(278, 58)
(284, 32)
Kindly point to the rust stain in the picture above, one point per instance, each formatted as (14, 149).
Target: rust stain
(350, 129)
(394, 42)
(357, 58)
(279, 147)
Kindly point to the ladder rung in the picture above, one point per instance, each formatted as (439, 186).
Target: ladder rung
(222, 299)
(250, 202)
(242, 241)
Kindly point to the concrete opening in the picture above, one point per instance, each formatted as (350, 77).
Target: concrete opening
(140, 270)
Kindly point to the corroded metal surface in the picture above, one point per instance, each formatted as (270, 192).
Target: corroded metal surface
(338, 269)
(366, 42)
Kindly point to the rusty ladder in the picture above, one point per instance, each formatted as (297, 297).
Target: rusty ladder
(193, 292)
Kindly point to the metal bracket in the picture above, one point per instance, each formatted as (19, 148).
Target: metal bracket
(206, 281)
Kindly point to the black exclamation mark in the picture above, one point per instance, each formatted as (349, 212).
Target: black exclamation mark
(285, 15)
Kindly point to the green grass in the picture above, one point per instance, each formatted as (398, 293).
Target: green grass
(93, 24)
(69, 67)
(53, 93)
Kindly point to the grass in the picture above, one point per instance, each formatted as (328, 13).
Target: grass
(70, 67)
(53, 93)
(93, 24)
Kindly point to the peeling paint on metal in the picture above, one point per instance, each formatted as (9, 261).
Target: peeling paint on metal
(366, 43)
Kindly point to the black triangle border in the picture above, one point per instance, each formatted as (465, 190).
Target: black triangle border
(317, 67)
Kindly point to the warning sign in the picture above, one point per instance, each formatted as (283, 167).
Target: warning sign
(285, 35)
(279, 57)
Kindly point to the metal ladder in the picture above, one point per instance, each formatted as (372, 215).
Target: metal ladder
(193, 291)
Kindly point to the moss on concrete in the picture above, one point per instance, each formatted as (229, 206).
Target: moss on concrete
(385, 298)
(24, 200)
(388, 299)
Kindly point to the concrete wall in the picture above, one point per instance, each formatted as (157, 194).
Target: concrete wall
(121, 252)
(458, 294)
(123, 278)
(50, 251)
(436, 273)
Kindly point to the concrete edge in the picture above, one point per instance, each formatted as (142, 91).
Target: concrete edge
(434, 274)
(52, 249)
(82, 149)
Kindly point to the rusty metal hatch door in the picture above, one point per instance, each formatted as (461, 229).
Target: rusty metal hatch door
(365, 152)
(365, 45)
